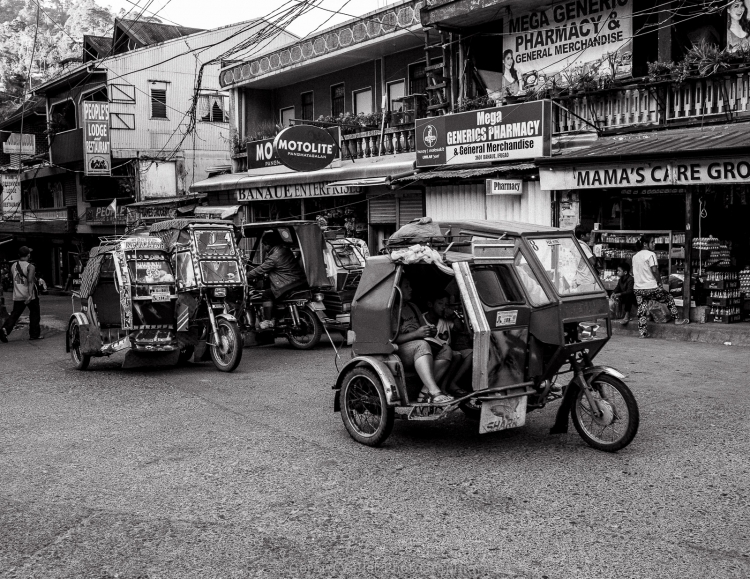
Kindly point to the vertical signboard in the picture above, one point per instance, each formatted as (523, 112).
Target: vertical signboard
(11, 197)
(20, 144)
(507, 133)
(96, 145)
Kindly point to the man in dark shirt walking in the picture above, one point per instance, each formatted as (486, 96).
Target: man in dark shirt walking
(624, 293)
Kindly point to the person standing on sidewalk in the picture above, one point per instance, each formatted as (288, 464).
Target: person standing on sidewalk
(624, 293)
(25, 295)
(648, 286)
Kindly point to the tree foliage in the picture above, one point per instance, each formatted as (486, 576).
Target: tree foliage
(62, 25)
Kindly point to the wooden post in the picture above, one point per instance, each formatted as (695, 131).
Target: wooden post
(686, 294)
(665, 34)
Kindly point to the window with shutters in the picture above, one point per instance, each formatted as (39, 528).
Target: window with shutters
(337, 100)
(213, 108)
(417, 78)
(159, 100)
(307, 106)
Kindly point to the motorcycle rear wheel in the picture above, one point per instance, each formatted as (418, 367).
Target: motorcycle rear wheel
(309, 333)
(226, 355)
(364, 408)
(619, 425)
(81, 361)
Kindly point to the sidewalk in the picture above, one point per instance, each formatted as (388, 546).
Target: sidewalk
(55, 312)
(729, 334)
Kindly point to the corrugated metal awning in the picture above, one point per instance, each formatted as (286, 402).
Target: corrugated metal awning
(466, 173)
(366, 182)
(235, 181)
(170, 201)
(219, 212)
(705, 141)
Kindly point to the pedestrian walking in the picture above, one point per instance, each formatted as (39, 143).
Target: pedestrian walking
(624, 294)
(25, 295)
(647, 285)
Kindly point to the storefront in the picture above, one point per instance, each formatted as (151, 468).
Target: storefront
(687, 188)
(358, 197)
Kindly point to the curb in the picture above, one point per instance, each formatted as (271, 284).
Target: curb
(723, 334)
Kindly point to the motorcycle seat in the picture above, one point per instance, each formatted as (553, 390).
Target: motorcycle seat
(297, 295)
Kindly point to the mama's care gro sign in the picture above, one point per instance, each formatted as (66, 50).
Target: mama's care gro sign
(647, 174)
(593, 35)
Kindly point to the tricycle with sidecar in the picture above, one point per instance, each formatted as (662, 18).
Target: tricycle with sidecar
(125, 303)
(535, 310)
(211, 285)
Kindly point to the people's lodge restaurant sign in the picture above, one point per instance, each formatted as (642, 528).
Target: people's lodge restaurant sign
(509, 133)
(646, 174)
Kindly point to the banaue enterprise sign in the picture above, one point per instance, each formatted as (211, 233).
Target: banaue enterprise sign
(298, 191)
(506, 133)
(647, 174)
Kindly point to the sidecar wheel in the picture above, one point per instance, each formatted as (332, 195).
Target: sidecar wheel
(364, 410)
(81, 361)
(226, 355)
(619, 425)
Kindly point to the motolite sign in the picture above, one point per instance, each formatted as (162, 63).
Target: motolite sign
(504, 186)
(305, 148)
(506, 133)
(96, 146)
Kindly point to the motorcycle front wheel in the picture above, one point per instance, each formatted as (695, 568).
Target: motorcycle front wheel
(309, 333)
(619, 420)
(81, 361)
(227, 352)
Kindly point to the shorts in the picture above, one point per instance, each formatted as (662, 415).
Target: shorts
(410, 352)
(464, 353)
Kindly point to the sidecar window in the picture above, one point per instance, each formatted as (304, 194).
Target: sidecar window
(495, 285)
(536, 294)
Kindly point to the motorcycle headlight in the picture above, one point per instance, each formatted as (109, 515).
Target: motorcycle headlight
(587, 331)
(220, 292)
(347, 307)
(318, 297)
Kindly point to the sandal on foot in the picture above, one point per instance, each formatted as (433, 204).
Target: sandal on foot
(624, 321)
(429, 398)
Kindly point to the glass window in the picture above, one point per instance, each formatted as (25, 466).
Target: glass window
(286, 116)
(536, 294)
(307, 106)
(185, 272)
(150, 267)
(417, 78)
(566, 266)
(396, 90)
(215, 242)
(496, 285)
(337, 100)
(220, 272)
(363, 101)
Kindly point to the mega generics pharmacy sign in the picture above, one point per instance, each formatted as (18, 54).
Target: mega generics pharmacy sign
(506, 133)
(647, 174)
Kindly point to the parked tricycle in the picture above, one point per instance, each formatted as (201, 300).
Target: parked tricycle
(534, 311)
(211, 285)
(126, 302)
(332, 266)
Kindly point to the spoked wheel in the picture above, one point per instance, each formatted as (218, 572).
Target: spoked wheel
(309, 332)
(81, 361)
(227, 353)
(618, 424)
(364, 410)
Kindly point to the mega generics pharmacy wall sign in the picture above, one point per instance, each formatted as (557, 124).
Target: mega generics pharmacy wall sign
(506, 133)
(647, 174)
(305, 148)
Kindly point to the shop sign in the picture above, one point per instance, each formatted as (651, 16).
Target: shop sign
(565, 42)
(96, 146)
(20, 144)
(150, 213)
(647, 174)
(506, 133)
(504, 186)
(46, 214)
(261, 154)
(133, 243)
(305, 148)
(105, 215)
(11, 197)
(300, 191)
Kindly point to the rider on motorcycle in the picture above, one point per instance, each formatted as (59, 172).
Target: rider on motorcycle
(284, 271)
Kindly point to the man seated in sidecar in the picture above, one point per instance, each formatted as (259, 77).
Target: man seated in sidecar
(283, 270)
(416, 345)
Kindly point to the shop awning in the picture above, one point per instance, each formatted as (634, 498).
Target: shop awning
(485, 171)
(694, 142)
(169, 201)
(366, 182)
(381, 167)
(218, 212)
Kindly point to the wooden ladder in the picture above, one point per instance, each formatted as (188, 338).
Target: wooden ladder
(437, 69)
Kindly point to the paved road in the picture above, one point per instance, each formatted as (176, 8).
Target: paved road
(189, 473)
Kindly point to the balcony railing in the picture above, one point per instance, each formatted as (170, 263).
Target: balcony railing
(67, 147)
(398, 139)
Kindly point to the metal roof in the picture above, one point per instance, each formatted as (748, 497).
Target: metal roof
(101, 45)
(146, 33)
(34, 106)
(709, 140)
(470, 172)
(495, 228)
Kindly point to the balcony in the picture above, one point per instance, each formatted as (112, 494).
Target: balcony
(360, 145)
(67, 147)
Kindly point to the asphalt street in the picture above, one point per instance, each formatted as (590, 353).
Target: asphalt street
(191, 473)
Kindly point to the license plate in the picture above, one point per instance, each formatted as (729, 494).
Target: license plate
(160, 297)
(160, 289)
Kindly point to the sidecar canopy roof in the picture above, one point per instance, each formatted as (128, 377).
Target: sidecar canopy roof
(496, 228)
